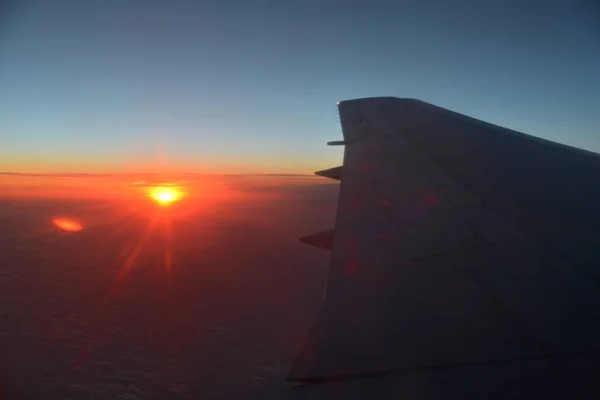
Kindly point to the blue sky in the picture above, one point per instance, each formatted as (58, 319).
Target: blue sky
(251, 86)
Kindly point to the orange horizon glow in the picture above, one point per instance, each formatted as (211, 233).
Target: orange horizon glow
(183, 194)
(68, 225)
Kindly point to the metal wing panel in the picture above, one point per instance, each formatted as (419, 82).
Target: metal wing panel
(434, 263)
(382, 310)
(550, 190)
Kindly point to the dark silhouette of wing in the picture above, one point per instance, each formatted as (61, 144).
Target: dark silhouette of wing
(465, 262)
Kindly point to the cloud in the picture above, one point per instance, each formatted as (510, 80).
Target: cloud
(235, 306)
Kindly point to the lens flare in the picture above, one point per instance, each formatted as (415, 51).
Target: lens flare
(165, 195)
(68, 225)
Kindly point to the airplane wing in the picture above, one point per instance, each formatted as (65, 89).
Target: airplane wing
(465, 263)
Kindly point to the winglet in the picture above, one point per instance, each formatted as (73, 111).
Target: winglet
(322, 240)
(332, 173)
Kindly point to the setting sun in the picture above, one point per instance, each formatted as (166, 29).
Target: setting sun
(165, 195)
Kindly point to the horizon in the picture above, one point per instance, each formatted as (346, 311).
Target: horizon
(75, 174)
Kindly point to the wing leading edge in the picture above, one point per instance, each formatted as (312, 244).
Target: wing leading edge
(458, 244)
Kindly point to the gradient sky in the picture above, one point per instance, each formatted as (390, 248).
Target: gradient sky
(251, 86)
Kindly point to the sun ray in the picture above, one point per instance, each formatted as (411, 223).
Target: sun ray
(168, 234)
(132, 257)
(130, 252)
(164, 195)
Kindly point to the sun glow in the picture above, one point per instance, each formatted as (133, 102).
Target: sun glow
(165, 195)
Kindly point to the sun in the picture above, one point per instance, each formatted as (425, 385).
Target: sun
(165, 195)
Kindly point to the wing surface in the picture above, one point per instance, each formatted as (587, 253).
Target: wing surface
(458, 244)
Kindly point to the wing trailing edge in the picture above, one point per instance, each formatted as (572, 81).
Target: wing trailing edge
(332, 173)
(322, 240)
